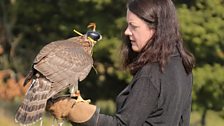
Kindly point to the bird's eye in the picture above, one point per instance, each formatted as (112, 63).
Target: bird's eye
(94, 35)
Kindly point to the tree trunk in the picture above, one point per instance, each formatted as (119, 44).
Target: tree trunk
(203, 117)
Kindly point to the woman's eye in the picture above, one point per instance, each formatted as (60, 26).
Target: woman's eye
(134, 26)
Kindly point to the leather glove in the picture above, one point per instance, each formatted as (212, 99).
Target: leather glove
(68, 108)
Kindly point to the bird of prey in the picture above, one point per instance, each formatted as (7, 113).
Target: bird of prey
(59, 65)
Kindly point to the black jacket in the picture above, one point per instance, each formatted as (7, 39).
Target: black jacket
(152, 98)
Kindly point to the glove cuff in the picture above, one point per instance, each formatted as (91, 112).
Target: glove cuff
(91, 122)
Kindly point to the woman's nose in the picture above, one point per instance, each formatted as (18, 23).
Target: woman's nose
(127, 31)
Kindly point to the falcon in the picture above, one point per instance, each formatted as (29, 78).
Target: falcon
(59, 65)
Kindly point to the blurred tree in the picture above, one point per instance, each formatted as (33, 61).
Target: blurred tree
(208, 89)
(26, 26)
(202, 25)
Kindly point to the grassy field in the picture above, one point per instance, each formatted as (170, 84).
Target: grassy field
(7, 112)
(212, 119)
(8, 120)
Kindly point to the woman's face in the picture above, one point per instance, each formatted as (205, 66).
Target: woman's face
(138, 31)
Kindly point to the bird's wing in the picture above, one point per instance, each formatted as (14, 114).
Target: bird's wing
(52, 46)
(64, 65)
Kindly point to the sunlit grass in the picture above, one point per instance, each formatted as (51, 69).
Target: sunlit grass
(7, 113)
(6, 120)
(212, 119)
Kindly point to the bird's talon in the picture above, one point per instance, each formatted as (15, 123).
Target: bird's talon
(78, 97)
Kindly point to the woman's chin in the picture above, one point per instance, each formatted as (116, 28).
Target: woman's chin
(135, 49)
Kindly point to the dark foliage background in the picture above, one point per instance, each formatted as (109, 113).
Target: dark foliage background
(27, 25)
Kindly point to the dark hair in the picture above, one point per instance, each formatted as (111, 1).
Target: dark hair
(160, 15)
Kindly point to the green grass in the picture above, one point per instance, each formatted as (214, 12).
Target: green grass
(7, 120)
(212, 119)
(7, 113)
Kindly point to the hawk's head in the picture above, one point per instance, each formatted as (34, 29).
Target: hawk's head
(92, 34)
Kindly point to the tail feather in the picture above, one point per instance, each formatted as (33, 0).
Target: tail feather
(25, 117)
(34, 103)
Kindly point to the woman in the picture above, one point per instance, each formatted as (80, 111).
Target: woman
(160, 91)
